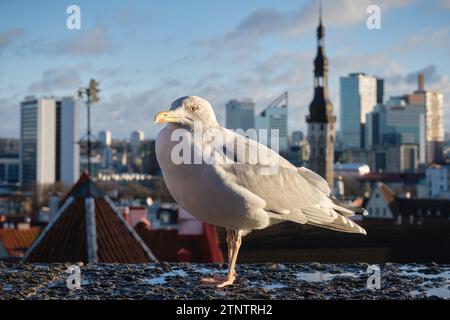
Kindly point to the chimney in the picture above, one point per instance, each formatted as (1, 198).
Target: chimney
(421, 82)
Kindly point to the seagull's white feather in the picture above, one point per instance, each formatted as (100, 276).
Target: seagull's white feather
(301, 192)
(252, 190)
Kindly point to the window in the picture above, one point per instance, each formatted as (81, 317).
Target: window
(384, 212)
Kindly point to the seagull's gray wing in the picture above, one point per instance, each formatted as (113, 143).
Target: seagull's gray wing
(289, 193)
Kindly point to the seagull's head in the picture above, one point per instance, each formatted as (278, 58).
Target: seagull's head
(185, 111)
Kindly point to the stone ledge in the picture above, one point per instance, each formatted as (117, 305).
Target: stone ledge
(255, 281)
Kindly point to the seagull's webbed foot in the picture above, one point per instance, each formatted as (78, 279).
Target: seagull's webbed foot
(234, 239)
(229, 280)
(212, 280)
(218, 281)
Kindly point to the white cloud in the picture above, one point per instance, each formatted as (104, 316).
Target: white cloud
(269, 21)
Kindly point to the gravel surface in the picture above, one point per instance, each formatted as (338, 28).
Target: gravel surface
(255, 281)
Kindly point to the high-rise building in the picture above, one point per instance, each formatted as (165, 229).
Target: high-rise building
(105, 138)
(397, 123)
(321, 121)
(9, 168)
(274, 120)
(240, 114)
(359, 94)
(137, 137)
(37, 140)
(49, 134)
(296, 138)
(380, 91)
(433, 102)
(67, 137)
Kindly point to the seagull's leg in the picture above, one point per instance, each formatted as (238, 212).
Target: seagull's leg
(217, 279)
(237, 240)
(230, 244)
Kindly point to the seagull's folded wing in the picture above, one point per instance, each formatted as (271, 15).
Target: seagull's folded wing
(293, 194)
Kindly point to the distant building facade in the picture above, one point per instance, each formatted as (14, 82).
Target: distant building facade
(438, 181)
(9, 169)
(433, 103)
(274, 117)
(240, 114)
(137, 137)
(395, 136)
(37, 141)
(359, 94)
(67, 137)
(296, 138)
(384, 204)
(49, 134)
(105, 137)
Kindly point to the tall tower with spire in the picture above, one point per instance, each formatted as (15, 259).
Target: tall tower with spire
(321, 121)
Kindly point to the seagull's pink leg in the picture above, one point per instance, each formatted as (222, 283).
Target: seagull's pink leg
(217, 279)
(237, 240)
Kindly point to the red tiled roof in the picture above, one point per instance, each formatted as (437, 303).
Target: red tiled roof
(169, 246)
(163, 243)
(66, 238)
(16, 242)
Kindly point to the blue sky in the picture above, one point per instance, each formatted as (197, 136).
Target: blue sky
(148, 53)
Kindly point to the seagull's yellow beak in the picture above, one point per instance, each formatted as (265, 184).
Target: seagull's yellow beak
(165, 116)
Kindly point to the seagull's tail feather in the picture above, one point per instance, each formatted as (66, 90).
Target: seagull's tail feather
(331, 219)
(347, 209)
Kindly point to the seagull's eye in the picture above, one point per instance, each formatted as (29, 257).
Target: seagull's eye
(193, 108)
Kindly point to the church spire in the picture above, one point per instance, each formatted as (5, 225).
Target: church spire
(321, 131)
(320, 109)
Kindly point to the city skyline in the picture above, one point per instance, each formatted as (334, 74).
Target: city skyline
(258, 52)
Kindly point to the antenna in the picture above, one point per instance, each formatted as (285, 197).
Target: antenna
(91, 94)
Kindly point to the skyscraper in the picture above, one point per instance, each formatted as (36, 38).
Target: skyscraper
(37, 140)
(433, 102)
(137, 137)
(67, 137)
(359, 95)
(240, 114)
(321, 121)
(397, 129)
(274, 117)
(49, 134)
(105, 137)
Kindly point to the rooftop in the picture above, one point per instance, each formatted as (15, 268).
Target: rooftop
(255, 281)
(88, 228)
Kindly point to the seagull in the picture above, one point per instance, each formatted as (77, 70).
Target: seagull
(240, 191)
